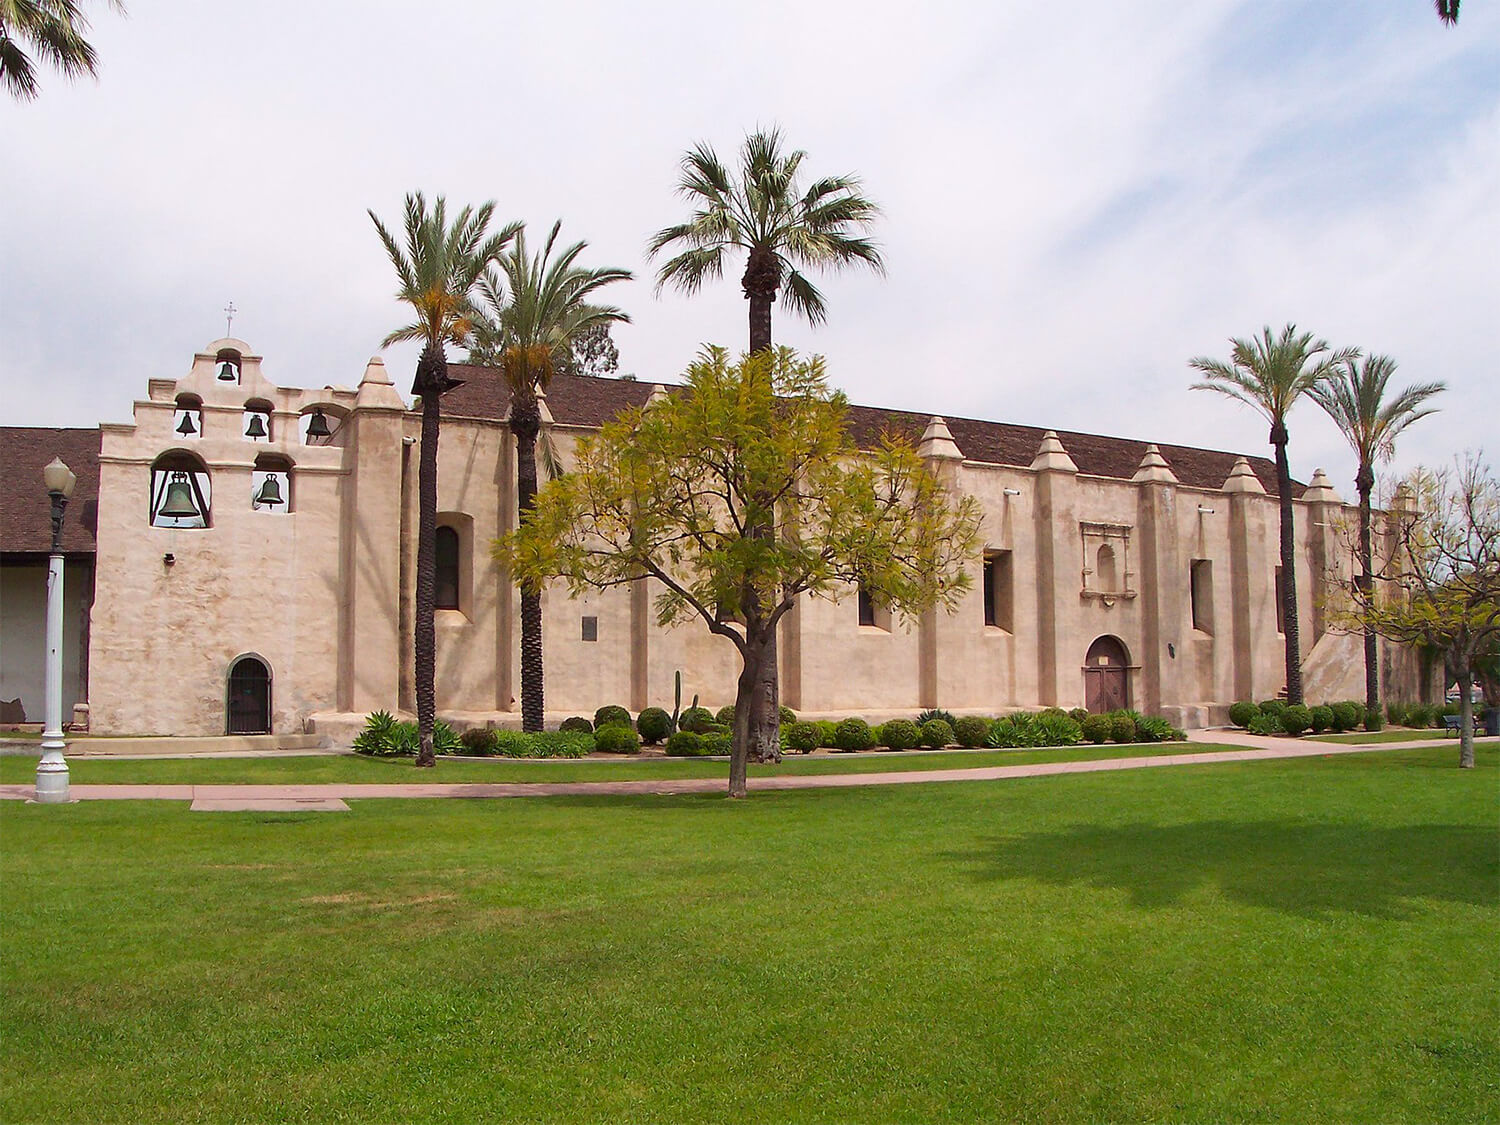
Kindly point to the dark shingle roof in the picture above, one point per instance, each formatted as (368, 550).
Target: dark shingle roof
(26, 510)
(584, 401)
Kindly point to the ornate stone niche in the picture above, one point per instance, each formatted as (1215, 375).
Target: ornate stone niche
(1106, 572)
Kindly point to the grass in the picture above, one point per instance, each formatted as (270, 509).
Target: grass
(1306, 940)
(350, 768)
(1397, 735)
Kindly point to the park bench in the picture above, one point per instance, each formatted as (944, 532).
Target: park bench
(1453, 724)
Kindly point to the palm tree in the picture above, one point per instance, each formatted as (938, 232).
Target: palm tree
(437, 270)
(537, 306)
(1355, 398)
(781, 228)
(1269, 374)
(53, 30)
(1447, 10)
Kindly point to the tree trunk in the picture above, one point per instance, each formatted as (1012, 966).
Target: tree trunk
(1288, 567)
(525, 424)
(1365, 482)
(1466, 722)
(748, 689)
(761, 281)
(432, 376)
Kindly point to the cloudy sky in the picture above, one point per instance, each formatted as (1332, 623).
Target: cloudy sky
(1076, 198)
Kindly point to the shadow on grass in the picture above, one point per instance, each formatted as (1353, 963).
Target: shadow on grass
(1309, 870)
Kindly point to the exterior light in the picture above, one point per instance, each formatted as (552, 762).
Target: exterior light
(52, 768)
(1202, 511)
(1012, 492)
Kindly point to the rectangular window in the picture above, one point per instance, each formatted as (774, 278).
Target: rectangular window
(871, 613)
(591, 628)
(1280, 603)
(999, 591)
(1201, 590)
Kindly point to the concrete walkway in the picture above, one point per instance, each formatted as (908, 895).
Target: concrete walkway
(331, 795)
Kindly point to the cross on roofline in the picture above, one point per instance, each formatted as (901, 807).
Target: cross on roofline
(229, 311)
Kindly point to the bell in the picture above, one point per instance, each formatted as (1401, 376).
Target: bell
(256, 428)
(186, 427)
(270, 491)
(178, 504)
(317, 426)
(227, 373)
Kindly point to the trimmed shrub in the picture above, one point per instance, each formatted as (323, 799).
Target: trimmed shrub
(1059, 729)
(1322, 718)
(695, 719)
(611, 713)
(1272, 706)
(1346, 716)
(616, 738)
(1096, 728)
(685, 744)
(827, 730)
(724, 716)
(1373, 721)
(477, 742)
(576, 724)
(1121, 727)
(852, 735)
(1153, 728)
(1418, 715)
(900, 734)
(1053, 711)
(1395, 714)
(971, 730)
(936, 713)
(787, 715)
(1266, 724)
(718, 744)
(543, 744)
(1078, 714)
(1296, 719)
(1242, 712)
(937, 733)
(804, 737)
(654, 725)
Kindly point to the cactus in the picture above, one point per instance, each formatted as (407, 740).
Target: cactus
(676, 701)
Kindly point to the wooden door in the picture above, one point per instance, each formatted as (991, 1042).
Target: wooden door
(1106, 685)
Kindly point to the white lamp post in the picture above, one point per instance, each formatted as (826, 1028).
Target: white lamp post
(52, 770)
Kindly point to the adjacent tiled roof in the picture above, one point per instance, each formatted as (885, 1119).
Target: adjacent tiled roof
(25, 508)
(583, 401)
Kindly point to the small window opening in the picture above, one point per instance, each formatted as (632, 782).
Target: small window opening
(271, 484)
(999, 591)
(227, 366)
(871, 613)
(446, 586)
(1201, 592)
(1280, 602)
(255, 425)
(591, 628)
(187, 421)
(180, 492)
(1104, 569)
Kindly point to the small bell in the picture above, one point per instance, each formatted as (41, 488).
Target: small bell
(270, 491)
(317, 426)
(256, 428)
(178, 503)
(227, 372)
(186, 427)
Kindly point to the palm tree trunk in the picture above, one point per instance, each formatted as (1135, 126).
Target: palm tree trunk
(1365, 482)
(761, 280)
(1288, 567)
(525, 424)
(431, 377)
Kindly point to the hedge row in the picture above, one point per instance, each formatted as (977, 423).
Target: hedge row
(1276, 716)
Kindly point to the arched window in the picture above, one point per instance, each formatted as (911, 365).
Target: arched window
(446, 588)
(1104, 569)
(321, 425)
(255, 424)
(227, 366)
(187, 420)
(271, 484)
(180, 491)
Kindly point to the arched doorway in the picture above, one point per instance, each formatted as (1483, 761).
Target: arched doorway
(1106, 686)
(249, 696)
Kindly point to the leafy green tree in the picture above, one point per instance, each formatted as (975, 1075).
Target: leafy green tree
(536, 307)
(673, 491)
(1358, 399)
(782, 228)
(437, 269)
(1269, 374)
(52, 30)
(593, 354)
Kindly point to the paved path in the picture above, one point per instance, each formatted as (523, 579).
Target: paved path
(280, 797)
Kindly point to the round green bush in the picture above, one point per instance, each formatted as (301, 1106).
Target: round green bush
(478, 741)
(719, 744)
(852, 735)
(804, 737)
(724, 716)
(1322, 718)
(610, 713)
(1395, 714)
(787, 715)
(827, 730)
(576, 724)
(972, 730)
(1097, 728)
(1059, 730)
(1242, 712)
(1418, 715)
(1078, 714)
(654, 725)
(1296, 719)
(899, 734)
(685, 744)
(1373, 721)
(937, 733)
(616, 738)
(1347, 716)
(1266, 724)
(1121, 727)
(1153, 728)
(1272, 706)
(695, 719)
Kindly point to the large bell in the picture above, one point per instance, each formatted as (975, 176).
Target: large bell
(270, 491)
(317, 426)
(227, 373)
(186, 427)
(256, 428)
(178, 503)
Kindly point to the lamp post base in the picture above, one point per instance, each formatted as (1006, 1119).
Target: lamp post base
(52, 775)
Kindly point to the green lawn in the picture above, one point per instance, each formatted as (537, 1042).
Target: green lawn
(1307, 940)
(1397, 734)
(313, 769)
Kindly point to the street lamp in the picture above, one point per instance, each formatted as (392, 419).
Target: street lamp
(52, 770)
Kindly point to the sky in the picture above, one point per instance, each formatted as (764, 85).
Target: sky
(1076, 200)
